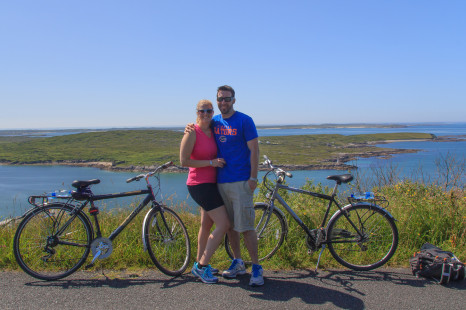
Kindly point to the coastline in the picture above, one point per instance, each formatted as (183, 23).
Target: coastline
(327, 164)
(338, 162)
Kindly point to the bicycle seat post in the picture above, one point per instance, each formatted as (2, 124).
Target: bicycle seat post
(335, 189)
(94, 211)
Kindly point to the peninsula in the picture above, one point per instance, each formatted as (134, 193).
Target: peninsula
(141, 150)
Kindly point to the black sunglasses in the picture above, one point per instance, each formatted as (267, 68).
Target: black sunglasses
(227, 99)
(209, 111)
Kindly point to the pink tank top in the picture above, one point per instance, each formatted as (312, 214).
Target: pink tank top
(205, 148)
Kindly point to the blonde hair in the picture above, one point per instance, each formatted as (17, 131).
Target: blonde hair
(201, 103)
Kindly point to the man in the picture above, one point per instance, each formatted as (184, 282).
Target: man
(237, 142)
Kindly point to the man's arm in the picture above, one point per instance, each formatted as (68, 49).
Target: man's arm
(253, 146)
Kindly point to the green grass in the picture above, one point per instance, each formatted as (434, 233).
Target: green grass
(424, 213)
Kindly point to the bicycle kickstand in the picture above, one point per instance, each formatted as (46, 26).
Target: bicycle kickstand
(320, 254)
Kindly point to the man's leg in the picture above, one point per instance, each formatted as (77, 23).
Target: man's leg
(250, 240)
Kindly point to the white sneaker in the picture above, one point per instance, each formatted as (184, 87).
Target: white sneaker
(257, 278)
(236, 268)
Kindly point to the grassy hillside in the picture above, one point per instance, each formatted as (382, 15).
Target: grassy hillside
(148, 147)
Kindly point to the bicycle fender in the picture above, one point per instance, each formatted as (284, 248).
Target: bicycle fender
(153, 209)
(385, 211)
(144, 230)
(279, 211)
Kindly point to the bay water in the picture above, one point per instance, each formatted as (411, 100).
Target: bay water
(17, 183)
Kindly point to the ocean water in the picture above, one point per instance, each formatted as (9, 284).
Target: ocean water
(17, 183)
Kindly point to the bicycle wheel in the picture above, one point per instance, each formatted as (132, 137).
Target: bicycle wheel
(373, 248)
(271, 238)
(167, 241)
(46, 248)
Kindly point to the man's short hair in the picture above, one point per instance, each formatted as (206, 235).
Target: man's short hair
(226, 88)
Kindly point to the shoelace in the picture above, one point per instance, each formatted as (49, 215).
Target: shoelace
(208, 272)
(233, 264)
(255, 271)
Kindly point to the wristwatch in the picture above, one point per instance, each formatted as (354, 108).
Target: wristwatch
(253, 179)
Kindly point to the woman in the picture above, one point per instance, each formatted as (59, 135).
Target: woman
(198, 151)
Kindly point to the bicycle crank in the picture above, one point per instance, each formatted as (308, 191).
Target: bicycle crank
(101, 248)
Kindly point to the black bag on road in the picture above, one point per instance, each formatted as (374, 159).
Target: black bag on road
(435, 263)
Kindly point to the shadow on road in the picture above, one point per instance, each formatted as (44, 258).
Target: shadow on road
(341, 288)
(114, 282)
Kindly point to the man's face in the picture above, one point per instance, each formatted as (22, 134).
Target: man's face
(224, 106)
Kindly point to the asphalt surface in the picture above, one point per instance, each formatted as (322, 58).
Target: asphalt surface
(150, 289)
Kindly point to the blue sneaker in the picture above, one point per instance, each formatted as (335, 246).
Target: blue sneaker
(205, 274)
(214, 270)
(236, 268)
(257, 278)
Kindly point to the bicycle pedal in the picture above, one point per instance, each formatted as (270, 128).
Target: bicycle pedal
(89, 266)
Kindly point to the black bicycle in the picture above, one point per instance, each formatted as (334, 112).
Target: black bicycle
(55, 237)
(361, 235)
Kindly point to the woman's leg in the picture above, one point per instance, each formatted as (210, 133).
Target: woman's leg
(222, 224)
(204, 232)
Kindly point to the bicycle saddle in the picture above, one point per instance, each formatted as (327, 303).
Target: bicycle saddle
(344, 178)
(81, 184)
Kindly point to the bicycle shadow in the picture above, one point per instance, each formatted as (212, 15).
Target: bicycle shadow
(285, 288)
(118, 282)
(305, 285)
(346, 278)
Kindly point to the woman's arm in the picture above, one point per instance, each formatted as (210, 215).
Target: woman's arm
(186, 148)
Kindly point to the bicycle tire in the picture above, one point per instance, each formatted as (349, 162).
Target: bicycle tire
(270, 240)
(47, 256)
(167, 241)
(374, 249)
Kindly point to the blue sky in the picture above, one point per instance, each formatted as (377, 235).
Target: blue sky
(94, 64)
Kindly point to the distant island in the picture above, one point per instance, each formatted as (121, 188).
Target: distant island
(143, 149)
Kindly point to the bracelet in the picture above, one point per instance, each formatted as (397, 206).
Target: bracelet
(211, 162)
(253, 179)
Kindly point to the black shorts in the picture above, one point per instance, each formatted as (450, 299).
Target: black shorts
(206, 195)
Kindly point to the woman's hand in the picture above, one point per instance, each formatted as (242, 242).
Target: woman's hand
(218, 162)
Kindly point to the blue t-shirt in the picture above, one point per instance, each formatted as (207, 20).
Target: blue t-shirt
(232, 135)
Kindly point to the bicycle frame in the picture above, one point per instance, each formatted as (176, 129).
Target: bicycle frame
(276, 196)
(150, 197)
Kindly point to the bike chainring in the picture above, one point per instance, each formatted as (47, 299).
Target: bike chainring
(101, 247)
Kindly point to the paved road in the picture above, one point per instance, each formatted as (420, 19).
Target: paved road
(380, 289)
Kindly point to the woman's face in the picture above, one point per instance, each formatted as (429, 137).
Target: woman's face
(205, 112)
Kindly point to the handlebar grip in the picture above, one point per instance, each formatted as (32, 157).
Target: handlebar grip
(289, 175)
(166, 165)
(136, 178)
(131, 180)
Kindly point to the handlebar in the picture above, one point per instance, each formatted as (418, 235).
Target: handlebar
(149, 174)
(279, 173)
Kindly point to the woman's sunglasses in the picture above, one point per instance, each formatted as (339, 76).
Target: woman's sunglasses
(209, 111)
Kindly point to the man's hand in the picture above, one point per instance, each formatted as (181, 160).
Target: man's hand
(252, 184)
(189, 128)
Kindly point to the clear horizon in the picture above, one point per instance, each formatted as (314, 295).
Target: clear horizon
(116, 64)
(258, 125)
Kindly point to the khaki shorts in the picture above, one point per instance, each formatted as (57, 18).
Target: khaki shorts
(238, 198)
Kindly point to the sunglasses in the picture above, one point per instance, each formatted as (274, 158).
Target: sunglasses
(209, 111)
(227, 99)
